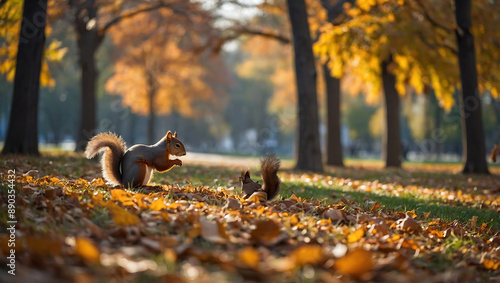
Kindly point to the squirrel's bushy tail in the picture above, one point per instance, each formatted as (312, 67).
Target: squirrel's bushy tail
(111, 158)
(270, 165)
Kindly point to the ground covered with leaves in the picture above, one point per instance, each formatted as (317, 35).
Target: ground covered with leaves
(421, 224)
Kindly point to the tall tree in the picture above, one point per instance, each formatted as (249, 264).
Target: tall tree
(22, 133)
(334, 154)
(474, 148)
(374, 29)
(160, 72)
(392, 137)
(93, 19)
(333, 139)
(307, 146)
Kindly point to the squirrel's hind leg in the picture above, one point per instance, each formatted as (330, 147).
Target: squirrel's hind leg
(136, 175)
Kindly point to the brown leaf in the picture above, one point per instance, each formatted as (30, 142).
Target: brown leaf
(409, 225)
(266, 232)
(233, 204)
(96, 231)
(213, 231)
(334, 215)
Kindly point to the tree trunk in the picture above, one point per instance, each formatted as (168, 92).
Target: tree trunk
(496, 107)
(436, 134)
(474, 148)
(152, 118)
(307, 146)
(392, 138)
(131, 127)
(22, 133)
(333, 141)
(88, 40)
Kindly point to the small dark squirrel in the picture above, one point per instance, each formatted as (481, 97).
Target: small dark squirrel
(269, 165)
(494, 152)
(134, 167)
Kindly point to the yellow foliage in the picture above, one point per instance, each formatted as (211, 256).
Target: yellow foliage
(375, 33)
(11, 17)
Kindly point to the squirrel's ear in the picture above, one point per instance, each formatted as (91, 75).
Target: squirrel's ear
(169, 135)
(175, 135)
(247, 174)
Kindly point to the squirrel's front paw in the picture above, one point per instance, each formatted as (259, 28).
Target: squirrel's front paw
(178, 162)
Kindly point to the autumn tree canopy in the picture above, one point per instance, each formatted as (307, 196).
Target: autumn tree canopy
(419, 37)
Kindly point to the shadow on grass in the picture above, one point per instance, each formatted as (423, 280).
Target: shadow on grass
(438, 209)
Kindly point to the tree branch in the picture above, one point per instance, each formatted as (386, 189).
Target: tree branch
(434, 45)
(430, 19)
(127, 15)
(268, 34)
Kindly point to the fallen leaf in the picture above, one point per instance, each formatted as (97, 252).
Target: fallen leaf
(409, 225)
(157, 205)
(356, 235)
(307, 255)
(334, 215)
(233, 204)
(249, 256)
(266, 232)
(122, 217)
(86, 250)
(96, 231)
(213, 231)
(491, 264)
(355, 263)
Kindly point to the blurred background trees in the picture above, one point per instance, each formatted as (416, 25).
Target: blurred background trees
(221, 73)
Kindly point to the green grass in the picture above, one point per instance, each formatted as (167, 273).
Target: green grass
(438, 209)
(410, 200)
(70, 165)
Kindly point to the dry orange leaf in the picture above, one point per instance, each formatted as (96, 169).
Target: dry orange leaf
(122, 217)
(157, 205)
(308, 254)
(249, 256)
(119, 195)
(356, 235)
(355, 263)
(86, 250)
(375, 206)
(491, 264)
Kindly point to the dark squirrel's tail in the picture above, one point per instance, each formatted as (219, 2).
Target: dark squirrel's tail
(270, 165)
(494, 152)
(110, 162)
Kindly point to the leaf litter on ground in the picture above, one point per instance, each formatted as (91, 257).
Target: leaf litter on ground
(75, 229)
